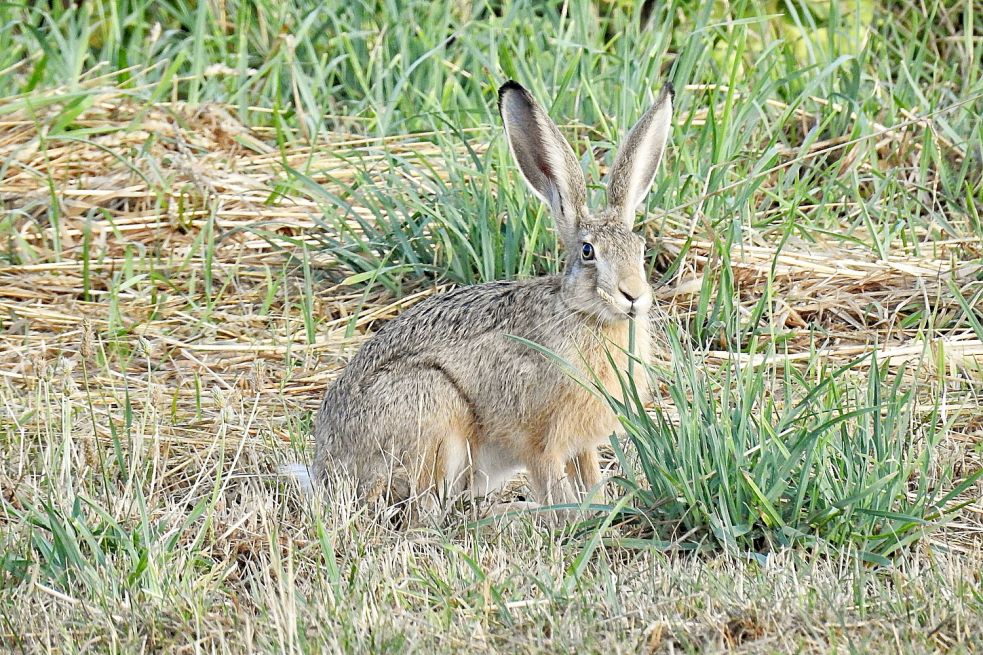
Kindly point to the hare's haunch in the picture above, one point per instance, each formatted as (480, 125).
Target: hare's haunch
(449, 397)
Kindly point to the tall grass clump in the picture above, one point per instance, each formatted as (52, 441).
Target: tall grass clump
(753, 457)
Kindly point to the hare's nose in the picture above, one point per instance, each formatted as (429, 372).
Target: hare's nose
(629, 292)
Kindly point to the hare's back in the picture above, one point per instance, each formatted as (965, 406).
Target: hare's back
(463, 318)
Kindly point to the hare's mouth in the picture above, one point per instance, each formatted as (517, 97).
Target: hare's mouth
(613, 307)
(616, 308)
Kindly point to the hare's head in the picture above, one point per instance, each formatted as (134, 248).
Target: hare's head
(605, 271)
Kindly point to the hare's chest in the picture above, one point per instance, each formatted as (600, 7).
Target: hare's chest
(617, 354)
(604, 361)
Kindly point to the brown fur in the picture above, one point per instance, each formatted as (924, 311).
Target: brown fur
(449, 398)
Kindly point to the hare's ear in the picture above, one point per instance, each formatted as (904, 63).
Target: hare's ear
(545, 159)
(639, 157)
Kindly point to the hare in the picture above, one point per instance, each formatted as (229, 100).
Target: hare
(449, 397)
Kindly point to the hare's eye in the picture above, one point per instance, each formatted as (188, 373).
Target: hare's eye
(587, 252)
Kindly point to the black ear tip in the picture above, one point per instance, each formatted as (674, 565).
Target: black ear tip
(669, 89)
(511, 85)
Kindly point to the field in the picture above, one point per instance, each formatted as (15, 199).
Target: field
(209, 206)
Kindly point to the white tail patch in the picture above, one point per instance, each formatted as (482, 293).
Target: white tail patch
(301, 474)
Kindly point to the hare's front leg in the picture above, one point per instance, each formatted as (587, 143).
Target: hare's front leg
(585, 471)
(552, 486)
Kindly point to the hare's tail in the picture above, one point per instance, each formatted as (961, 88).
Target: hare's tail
(301, 474)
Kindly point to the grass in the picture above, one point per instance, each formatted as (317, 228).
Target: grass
(209, 206)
